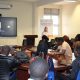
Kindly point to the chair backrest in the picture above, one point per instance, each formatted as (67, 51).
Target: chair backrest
(51, 75)
(4, 69)
(78, 76)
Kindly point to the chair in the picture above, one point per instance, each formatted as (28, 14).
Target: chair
(78, 76)
(5, 73)
(4, 70)
(51, 75)
(12, 75)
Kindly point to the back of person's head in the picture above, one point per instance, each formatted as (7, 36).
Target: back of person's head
(66, 38)
(56, 39)
(22, 56)
(5, 50)
(13, 51)
(44, 37)
(38, 69)
(59, 40)
(77, 38)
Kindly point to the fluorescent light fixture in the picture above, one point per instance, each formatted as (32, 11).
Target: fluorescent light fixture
(70, 0)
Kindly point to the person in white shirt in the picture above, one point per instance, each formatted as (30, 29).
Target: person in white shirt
(65, 49)
(45, 32)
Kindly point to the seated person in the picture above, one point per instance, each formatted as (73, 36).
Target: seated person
(66, 38)
(43, 46)
(65, 49)
(8, 50)
(75, 63)
(38, 69)
(7, 64)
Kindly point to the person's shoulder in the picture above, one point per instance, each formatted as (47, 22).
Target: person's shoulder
(65, 43)
(11, 58)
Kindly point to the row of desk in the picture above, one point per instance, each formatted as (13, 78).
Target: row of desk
(22, 72)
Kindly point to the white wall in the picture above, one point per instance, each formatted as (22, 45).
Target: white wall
(29, 23)
(23, 12)
(71, 19)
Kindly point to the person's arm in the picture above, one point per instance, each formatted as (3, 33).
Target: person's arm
(59, 52)
(63, 51)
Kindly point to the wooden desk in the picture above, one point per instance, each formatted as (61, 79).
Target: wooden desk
(22, 72)
(17, 47)
(30, 39)
(54, 54)
(28, 50)
(62, 68)
(58, 56)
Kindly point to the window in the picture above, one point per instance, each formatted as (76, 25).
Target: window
(52, 14)
(55, 19)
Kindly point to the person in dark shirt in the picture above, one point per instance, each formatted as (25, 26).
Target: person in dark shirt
(7, 64)
(42, 47)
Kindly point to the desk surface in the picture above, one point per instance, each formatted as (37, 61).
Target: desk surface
(56, 67)
(22, 72)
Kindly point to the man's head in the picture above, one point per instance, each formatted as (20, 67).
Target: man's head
(44, 37)
(5, 50)
(59, 40)
(77, 48)
(38, 69)
(77, 37)
(66, 38)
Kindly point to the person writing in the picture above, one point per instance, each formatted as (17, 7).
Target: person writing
(65, 49)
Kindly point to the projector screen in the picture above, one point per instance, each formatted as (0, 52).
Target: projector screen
(8, 26)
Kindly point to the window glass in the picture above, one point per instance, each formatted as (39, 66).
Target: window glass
(55, 30)
(55, 19)
(46, 17)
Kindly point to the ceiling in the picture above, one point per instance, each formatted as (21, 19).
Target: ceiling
(21, 0)
(39, 2)
(43, 2)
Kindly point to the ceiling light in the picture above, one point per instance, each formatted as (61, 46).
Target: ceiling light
(70, 0)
